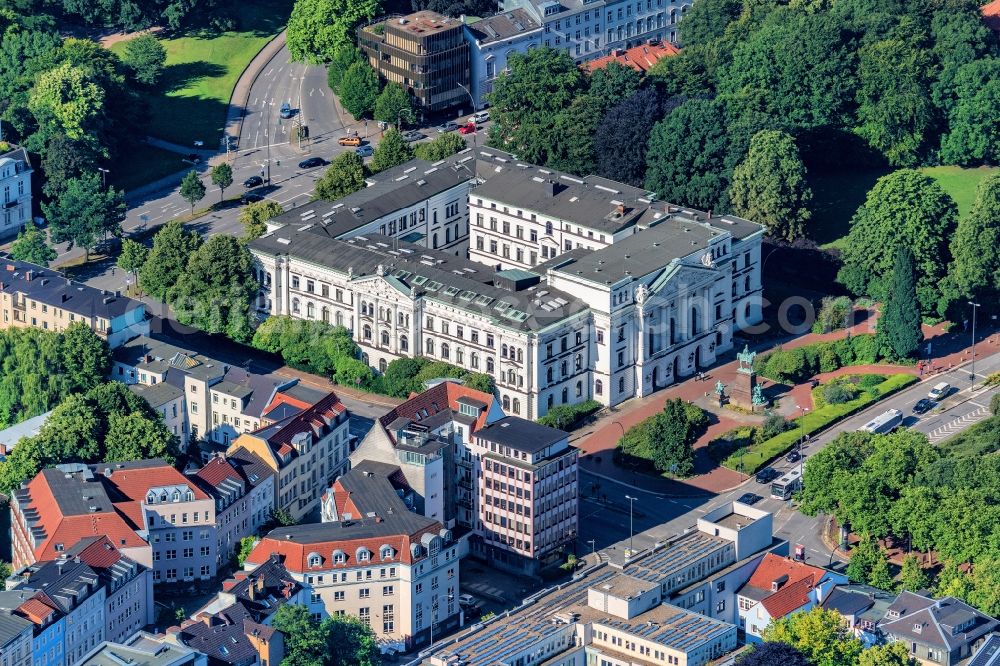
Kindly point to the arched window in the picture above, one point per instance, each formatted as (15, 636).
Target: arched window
(506, 403)
(447, 235)
(474, 360)
(404, 343)
(565, 395)
(363, 554)
(548, 375)
(520, 356)
(489, 364)
(339, 557)
(381, 313)
(517, 406)
(315, 560)
(385, 338)
(310, 310)
(459, 356)
(366, 332)
(295, 305)
(429, 347)
(746, 284)
(435, 241)
(510, 376)
(339, 318)
(325, 314)
(579, 389)
(549, 401)
(503, 351)
(563, 367)
(548, 228)
(382, 365)
(445, 351)
(385, 552)
(694, 322)
(621, 385)
(598, 387)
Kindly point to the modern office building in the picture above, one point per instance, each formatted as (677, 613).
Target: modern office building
(15, 185)
(424, 52)
(305, 452)
(32, 296)
(394, 569)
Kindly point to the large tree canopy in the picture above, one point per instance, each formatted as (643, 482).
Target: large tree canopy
(317, 28)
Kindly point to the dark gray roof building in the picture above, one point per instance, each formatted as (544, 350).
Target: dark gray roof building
(521, 434)
(946, 631)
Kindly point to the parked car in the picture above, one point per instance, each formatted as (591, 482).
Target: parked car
(923, 406)
(449, 126)
(286, 110)
(311, 162)
(479, 117)
(767, 475)
(468, 128)
(364, 151)
(253, 181)
(940, 390)
(749, 499)
(466, 600)
(414, 135)
(350, 140)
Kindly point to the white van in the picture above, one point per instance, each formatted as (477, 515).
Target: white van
(466, 600)
(479, 117)
(939, 391)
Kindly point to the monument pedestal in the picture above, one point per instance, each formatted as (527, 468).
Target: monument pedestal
(741, 392)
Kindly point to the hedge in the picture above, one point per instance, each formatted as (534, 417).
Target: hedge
(798, 364)
(758, 456)
(568, 417)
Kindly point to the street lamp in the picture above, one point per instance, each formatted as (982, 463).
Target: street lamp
(631, 530)
(104, 173)
(435, 604)
(593, 546)
(972, 377)
(471, 98)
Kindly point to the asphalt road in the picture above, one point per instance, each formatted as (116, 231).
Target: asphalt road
(604, 507)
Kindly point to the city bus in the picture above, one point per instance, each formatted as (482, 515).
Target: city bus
(784, 487)
(884, 423)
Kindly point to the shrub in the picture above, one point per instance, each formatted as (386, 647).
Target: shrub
(568, 417)
(838, 393)
(868, 381)
(774, 425)
(797, 365)
(995, 404)
(834, 314)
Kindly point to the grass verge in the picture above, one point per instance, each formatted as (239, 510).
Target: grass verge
(959, 183)
(191, 99)
(756, 456)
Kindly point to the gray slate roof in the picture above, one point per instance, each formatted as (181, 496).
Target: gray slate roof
(503, 26)
(11, 627)
(47, 286)
(938, 620)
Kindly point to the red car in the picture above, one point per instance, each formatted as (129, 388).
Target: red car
(467, 129)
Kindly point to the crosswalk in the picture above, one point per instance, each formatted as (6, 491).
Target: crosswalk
(957, 425)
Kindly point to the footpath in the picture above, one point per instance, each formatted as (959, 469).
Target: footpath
(597, 441)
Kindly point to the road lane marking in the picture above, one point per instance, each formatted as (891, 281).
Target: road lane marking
(957, 424)
(322, 93)
(268, 72)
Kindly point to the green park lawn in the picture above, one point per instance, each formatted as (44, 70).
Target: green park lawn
(190, 102)
(836, 197)
(142, 165)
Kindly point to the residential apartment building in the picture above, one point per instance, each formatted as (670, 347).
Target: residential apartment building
(492, 41)
(204, 400)
(15, 640)
(864, 609)
(261, 592)
(65, 600)
(395, 570)
(585, 305)
(943, 631)
(32, 296)
(242, 486)
(15, 184)
(640, 58)
(305, 451)
(150, 512)
(779, 587)
(128, 586)
(145, 650)
(511, 482)
(424, 52)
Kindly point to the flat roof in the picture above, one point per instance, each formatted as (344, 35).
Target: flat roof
(521, 434)
(625, 587)
(680, 554)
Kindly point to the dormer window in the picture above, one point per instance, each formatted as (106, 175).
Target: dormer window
(339, 557)
(386, 552)
(315, 560)
(364, 555)
(917, 627)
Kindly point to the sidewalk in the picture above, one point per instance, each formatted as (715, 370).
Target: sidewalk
(597, 442)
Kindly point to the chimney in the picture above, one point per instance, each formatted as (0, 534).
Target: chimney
(28, 275)
(620, 209)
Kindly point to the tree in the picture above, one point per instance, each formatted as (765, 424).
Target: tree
(345, 175)
(136, 437)
(527, 99)
(666, 439)
(819, 634)
(31, 246)
(192, 189)
(622, 136)
(707, 21)
(970, 139)
(216, 289)
(895, 112)
(246, 547)
(359, 90)
(255, 215)
(22, 464)
(772, 654)
(343, 57)
(393, 105)
(912, 575)
(976, 245)
(612, 84)
(350, 642)
(686, 156)
(898, 333)
(282, 518)
(85, 212)
(62, 160)
(864, 559)
(71, 432)
(304, 641)
(887, 654)
(145, 56)
(132, 257)
(172, 246)
(391, 151)
(222, 177)
(86, 357)
(769, 186)
(318, 28)
(66, 101)
(880, 576)
(573, 145)
(443, 146)
(480, 381)
(908, 208)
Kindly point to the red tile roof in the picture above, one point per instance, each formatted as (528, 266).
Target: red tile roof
(789, 598)
(216, 471)
(640, 58)
(437, 399)
(991, 15)
(97, 552)
(285, 399)
(794, 582)
(135, 482)
(312, 420)
(38, 608)
(295, 556)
